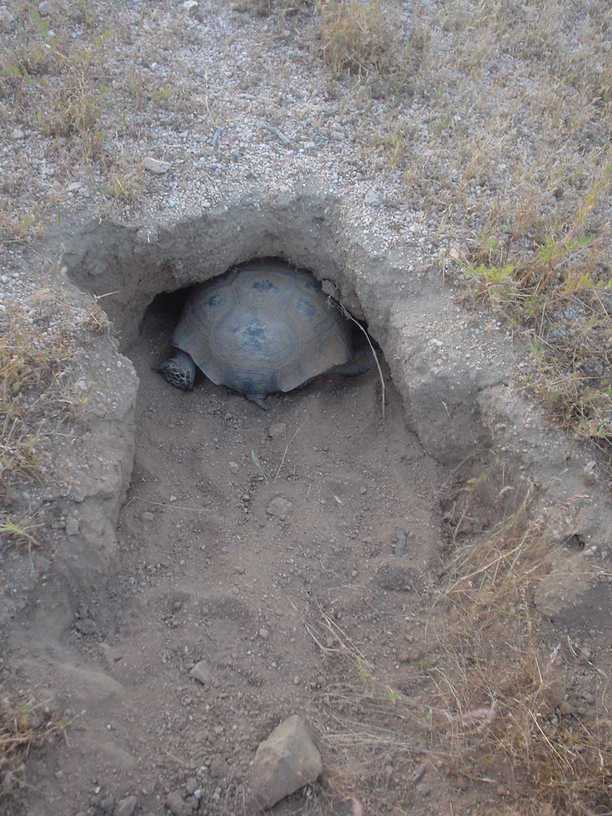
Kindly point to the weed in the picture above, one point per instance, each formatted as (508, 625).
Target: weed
(75, 108)
(559, 291)
(29, 371)
(527, 203)
(19, 228)
(96, 319)
(483, 696)
(24, 727)
(18, 532)
(125, 182)
(356, 36)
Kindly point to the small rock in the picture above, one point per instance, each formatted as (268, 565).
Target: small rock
(191, 785)
(396, 577)
(276, 430)
(590, 472)
(18, 133)
(286, 761)
(43, 8)
(202, 673)
(234, 467)
(127, 806)
(400, 542)
(104, 806)
(189, 5)
(374, 198)
(263, 634)
(148, 516)
(74, 187)
(72, 526)
(86, 626)
(279, 507)
(156, 166)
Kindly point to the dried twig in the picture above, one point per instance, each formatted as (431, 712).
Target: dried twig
(350, 317)
(282, 461)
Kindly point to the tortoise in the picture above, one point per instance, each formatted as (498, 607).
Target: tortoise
(261, 328)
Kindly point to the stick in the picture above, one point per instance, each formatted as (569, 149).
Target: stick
(350, 317)
(282, 462)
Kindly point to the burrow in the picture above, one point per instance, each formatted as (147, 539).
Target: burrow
(237, 527)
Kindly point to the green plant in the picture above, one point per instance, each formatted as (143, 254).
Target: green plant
(18, 531)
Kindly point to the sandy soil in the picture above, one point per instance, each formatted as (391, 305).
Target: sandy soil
(243, 529)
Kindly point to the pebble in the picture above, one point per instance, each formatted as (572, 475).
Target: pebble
(43, 8)
(279, 507)
(17, 133)
(374, 198)
(190, 5)
(264, 634)
(202, 673)
(397, 578)
(400, 542)
(590, 472)
(234, 467)
(86, 626)
(127, 806)
(72, 526)
(105, 806)
(156, 166)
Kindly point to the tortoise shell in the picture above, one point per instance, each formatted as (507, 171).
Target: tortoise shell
(262, 327)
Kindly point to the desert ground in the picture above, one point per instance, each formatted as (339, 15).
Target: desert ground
(414, 561)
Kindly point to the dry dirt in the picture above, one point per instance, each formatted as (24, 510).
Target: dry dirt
(211, 569)
(276, 554)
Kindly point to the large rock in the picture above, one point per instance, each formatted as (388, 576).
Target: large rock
(285, 762)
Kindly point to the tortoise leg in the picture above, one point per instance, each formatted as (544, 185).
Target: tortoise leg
(179, 371)
(360, 363)
(258, 400)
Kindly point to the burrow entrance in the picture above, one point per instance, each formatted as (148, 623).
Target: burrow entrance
(261, 564)
(257, 552)
(245, 532)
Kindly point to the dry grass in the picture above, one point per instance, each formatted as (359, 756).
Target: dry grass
(125, 182)
(16, 227)
(266, 7)
(502, 696)
(31, 366)
(507, 150)
(24, 727)
(357, 37)
(18, 532)
(56, 85)
(484, 698)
